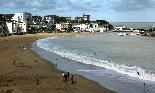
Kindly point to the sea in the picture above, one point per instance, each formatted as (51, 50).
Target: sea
(125, 64)
(135, 25)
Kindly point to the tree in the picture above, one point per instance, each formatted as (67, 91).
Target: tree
(91, 25)
(60, 20)
(2, 18)
(102, 22)
(51, 28)
(32, 30)
(87, 21)
(74, 21)
(111, 27)
(70, 28)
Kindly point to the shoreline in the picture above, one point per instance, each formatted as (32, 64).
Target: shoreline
(19, 65)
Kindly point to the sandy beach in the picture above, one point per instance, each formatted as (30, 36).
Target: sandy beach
(23, 71)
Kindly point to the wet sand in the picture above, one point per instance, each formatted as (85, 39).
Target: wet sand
(23, 71)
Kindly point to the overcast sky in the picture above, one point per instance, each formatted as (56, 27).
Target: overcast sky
(110, 10)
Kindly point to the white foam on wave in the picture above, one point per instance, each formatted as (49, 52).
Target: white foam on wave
(120, 68)
(88, 70)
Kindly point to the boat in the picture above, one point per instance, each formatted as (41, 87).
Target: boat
(122, 34)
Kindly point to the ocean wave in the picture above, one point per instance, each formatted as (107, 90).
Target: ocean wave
(132, 71)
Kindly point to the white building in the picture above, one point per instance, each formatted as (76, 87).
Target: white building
(84, 26)
(22, 27)
(58, 26)
(62, 26)
(102, 29)
(49, 19)
(17, 27)
(76, 27)
(10, 26)
(93, 27)
(80, 27)
(20, 22)
(23, 17)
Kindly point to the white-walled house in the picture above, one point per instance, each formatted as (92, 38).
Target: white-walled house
(58, 26)
(80, 27)
(102, 29)
(19, 27)
(10, 26)
(76, 26)
(22, 27)
(92, 27)
(84, 26)
(62, 26)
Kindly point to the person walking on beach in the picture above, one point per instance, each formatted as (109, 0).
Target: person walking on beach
(37, 81)
(138, 73)
(63, 76)
(14, 62)
(72, 79)
(68, 76)
(144, 88)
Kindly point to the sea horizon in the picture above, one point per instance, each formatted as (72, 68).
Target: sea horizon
(135, 25)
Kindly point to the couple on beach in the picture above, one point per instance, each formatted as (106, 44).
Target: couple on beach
(67, 77)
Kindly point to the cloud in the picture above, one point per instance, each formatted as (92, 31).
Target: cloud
(79, 5)
(59, 5)
(131, 5)
(40, 4)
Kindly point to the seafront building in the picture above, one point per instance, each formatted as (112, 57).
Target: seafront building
(10, 27)
(62, 26)
(49, 19)
(37, 20)
(20, 23)
(4, 18)
(22, 17)
(78, 27)
(84, 18)
(82, 24)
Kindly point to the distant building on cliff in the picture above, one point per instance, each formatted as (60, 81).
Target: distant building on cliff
(49, 19)
(83, 19)
(36, 20)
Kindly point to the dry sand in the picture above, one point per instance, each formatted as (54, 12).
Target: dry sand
(23, 71)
